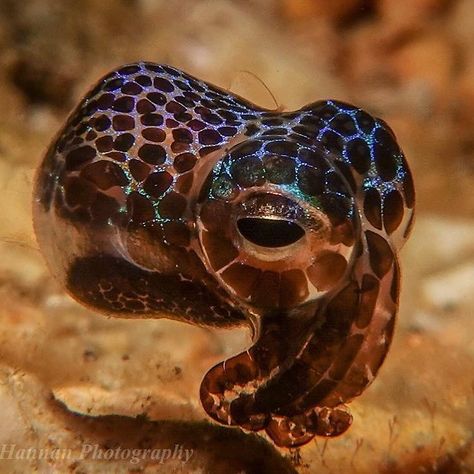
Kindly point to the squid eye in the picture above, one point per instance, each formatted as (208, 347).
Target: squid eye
(269, 232)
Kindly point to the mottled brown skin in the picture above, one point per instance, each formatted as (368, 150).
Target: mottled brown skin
(164, 196)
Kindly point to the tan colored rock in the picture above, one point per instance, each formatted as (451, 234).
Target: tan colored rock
(157, 403)
(407, 12)
(464, 93)
(449, 288)
(461, 22)
(42, 436)
(451, 242)
(427, 64)
(319, 9)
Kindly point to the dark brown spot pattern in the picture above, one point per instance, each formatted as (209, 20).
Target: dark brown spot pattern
(79, 156)
(157, 184)
(392, 211)
(188, 202)
(152, 154)
(104, 174)
(373, 207)
(327, 269)
(381, 256)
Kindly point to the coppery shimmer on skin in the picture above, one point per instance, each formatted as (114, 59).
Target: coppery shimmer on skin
(164, 196)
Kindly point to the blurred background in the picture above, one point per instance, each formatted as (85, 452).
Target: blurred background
(410, 62)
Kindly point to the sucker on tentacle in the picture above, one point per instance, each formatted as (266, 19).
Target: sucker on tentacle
(165, 196)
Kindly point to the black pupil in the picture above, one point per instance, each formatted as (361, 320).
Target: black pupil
(269, 232)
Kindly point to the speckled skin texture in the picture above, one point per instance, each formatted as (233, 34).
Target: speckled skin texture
(164, 196)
